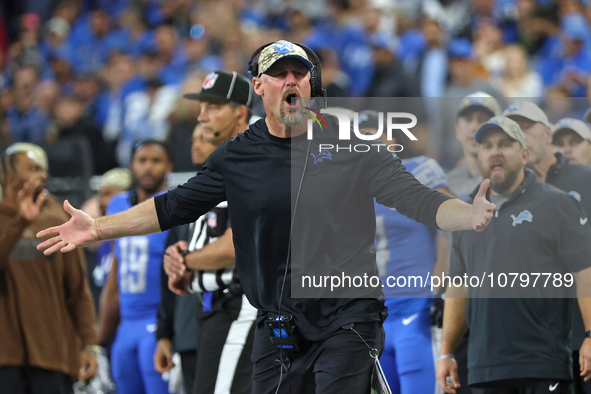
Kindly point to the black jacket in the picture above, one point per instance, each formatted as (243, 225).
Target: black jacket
(575, 179)
(526, 335)
(334, 228)
(177, 314)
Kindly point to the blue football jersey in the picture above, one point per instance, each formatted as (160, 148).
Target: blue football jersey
(404, 246)
(139, 265)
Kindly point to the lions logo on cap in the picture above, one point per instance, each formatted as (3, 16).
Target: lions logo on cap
(209, 80)
(283, 47)
(515, 107)
(566, 122)
(497, 120)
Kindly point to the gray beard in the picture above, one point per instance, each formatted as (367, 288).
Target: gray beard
(291, 120)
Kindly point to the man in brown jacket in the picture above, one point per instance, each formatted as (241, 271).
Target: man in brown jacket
(47, 316)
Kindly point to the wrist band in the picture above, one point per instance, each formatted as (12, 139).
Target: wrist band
(443, 357)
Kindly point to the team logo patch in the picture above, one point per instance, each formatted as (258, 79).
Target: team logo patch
(323, 154)
(515, 107)
(212, 219)
(576, 195)
(497, 120)
(524, 216)
(283, 47)
(209, 80)
(564, 123)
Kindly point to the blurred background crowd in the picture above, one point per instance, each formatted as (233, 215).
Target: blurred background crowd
(87, 78)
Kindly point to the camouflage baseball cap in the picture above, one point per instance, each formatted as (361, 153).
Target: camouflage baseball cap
(281, 50)
(510, 127)
(479, 99)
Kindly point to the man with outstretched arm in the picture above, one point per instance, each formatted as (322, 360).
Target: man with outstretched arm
(253, 172)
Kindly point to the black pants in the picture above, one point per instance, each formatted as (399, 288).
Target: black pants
(524, 386)
(188, 366)
(338, 364)
(224, 346)
(31, 380)
(580, 386)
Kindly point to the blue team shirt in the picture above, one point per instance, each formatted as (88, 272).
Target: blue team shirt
(139, 265)
(404, 246)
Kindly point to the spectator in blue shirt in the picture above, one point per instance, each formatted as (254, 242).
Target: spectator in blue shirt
(545, 43)
(199, 57)
(122, 81)
(134, 26)
(26, 122)
(55, 43)
(171, 55)
(351, 45)
(92, 50)
(577, 60)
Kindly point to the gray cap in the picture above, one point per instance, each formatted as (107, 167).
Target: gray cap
(576, 125)
(527, 110)
(479, 99)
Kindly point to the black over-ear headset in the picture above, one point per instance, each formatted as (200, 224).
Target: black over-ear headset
(315, 72)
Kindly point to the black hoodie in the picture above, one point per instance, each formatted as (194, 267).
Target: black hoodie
(526, 334)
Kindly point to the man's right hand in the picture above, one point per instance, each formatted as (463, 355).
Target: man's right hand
(79, 231)
(447, 375)
(174, 261)
(163, 356)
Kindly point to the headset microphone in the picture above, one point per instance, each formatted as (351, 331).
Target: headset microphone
(226, 127)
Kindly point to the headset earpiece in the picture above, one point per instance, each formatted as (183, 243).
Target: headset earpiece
(253, 66)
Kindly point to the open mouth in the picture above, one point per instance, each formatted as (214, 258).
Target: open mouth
(497, 168)
(291, 100)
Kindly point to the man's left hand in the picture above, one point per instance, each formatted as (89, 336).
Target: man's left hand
(585, 359)
(88, 365)
(482, 209)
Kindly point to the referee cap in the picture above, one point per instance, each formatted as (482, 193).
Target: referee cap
(225, 86)
(479, 100)
(529, 111)
(576, 125)
(282, 50)
(510, 127)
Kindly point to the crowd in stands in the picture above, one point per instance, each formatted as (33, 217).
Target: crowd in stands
(113, 71)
